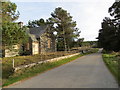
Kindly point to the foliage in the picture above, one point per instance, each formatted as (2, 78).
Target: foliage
(89, 43)
(114, 10)
(112, 60)
(36, 23)
(24, 53)
(61, 22)
(7, 68)
(60, 45)
(92, 50)
(12, 33)
(9, 12)
(109, 35)
(65, 27)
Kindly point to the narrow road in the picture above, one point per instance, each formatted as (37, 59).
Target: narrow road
(86, 72)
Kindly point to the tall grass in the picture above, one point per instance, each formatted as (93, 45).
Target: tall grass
(113, 62)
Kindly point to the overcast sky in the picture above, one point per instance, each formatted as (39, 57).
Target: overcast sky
(87, 13)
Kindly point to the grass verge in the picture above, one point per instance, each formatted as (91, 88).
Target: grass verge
(113, 61)
(29, 72)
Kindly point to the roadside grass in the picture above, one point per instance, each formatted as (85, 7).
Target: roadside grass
(10, 77)
(112, 60)
(24, 60)
(7, 67)
(29, 72)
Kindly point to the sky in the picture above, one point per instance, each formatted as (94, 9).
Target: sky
(87, 13)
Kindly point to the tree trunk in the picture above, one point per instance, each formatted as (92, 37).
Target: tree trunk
(65, 44)
(55, 45)
(68, 48)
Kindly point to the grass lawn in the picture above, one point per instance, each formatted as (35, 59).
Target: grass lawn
(113, 63)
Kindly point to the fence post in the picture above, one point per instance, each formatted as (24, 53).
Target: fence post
(13, 63)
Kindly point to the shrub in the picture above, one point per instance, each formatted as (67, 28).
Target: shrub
(7, 68)
(22, 53)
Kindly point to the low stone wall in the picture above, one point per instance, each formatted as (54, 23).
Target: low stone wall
(13, 52)
(50, 60)
(9, 53)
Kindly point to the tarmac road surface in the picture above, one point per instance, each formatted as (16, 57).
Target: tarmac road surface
(85, 72)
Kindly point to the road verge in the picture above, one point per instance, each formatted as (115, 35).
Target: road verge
(112, 61)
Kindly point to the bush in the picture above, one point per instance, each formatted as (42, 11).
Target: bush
(7, 68)
(22, 53)
(105, 51)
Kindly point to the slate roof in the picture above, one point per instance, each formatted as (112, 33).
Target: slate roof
(36, 32)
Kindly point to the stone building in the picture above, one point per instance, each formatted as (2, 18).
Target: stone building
(39, 42)
(13, 50)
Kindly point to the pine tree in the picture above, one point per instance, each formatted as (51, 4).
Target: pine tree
(65, 27)
(12, 33)
(109, 35)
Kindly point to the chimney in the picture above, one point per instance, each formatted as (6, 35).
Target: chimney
(21, 24)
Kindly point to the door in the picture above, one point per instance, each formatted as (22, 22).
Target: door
(35, 48)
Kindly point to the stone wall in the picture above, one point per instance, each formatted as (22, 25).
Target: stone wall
(50, 60)
(13, 52)
(46, 44)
